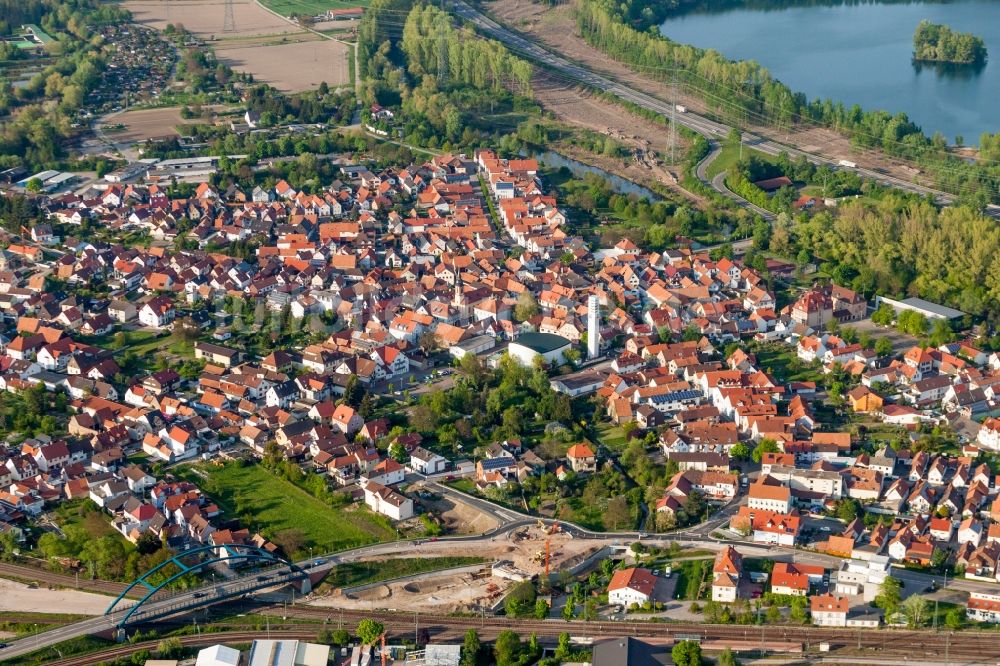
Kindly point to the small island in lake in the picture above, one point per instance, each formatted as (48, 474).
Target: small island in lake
(933, 42)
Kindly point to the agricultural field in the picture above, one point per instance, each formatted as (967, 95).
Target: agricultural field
(207, 19)
(274, 50)
(144, 124)
(276, 507)
(310, 7)
(291, 67)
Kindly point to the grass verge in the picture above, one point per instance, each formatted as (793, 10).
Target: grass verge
(362, 573)
(273, 505)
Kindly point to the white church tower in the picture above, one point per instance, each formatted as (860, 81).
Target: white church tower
(593, 327)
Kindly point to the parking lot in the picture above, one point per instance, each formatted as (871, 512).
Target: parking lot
(900, 341)
(440, 377)
(820, 529)
(418, 382)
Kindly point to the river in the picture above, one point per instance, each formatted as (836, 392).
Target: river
(555, 160)
(862, 54)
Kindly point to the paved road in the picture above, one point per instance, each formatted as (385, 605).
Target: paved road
(719, 184)
(104, 623)
(708, 128)
(508, 520)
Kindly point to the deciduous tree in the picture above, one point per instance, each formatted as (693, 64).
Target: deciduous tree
(507, 648)
(889, 596)
(369, 631)
(686, 653)
(470, 648)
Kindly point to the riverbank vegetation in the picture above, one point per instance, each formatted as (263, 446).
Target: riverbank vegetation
(744, 92)
(934, 42)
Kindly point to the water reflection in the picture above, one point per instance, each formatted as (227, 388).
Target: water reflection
(950, 70)
(556, 160)
(860, 53)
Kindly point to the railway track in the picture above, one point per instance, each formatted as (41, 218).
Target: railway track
(23, 572)
(966, 648)
(186, 641)
(969, 643)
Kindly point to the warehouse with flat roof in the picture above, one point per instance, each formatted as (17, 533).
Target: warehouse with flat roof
(926, 308)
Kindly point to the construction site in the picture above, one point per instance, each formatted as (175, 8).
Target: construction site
(524, 554)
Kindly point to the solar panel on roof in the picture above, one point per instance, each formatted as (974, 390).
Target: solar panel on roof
(490, 464)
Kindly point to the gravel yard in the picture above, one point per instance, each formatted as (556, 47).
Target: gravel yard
(19, 597)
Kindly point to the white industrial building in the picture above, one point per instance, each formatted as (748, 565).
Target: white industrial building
(288, 653)
(218, 655)
(926, 308)
(862, 577)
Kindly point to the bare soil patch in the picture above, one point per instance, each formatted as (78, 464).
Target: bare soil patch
(580, 107)
(449, 592)
(459, 517)
(207, 19)
(444, 593)
(292, 67)
(146, 124)
(19, 597)
(555, 28)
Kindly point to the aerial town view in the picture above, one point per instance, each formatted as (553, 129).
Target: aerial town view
(499, 332)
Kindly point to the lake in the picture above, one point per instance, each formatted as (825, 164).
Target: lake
(863, 54)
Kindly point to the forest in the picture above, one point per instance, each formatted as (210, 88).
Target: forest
(904, 247)
(435, 47)
(745, 91)
(15, 13)
(38, 133)
(454, 88)
(934, 42)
